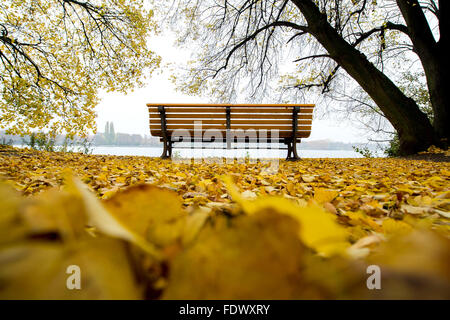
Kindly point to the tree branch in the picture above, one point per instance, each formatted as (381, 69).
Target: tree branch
(387, 26)
(418, 28)
(316, 56)
(253, 36)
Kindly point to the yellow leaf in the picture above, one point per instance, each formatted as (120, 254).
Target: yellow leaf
(308, 178)
(318, 228)
(37, 270)
(322, 195)
(391, 226)
(414, 210)
(357, 218)
(194, 223)
(154, 213)
(107, 223)
(290, 187)
(257, 257)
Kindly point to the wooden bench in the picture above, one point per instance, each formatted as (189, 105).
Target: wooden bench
(293, 122)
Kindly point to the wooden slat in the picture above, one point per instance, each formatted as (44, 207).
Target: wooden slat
(224, 131)
(270, 127)
(270, 116)
(209, 105)
(189, 121)
(204, 140)
(190, 110)
(233, 110)
(233, 116)
(268, 122)
(281, 134)
(191, 127)
(194, 115)
(268, 110)
(239, 126)
(234, 121)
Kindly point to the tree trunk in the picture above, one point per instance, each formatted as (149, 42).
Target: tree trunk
(414, 128)
(440, 97)
(433, 56)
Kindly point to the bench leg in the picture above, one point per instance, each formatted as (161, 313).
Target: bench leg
(292, 150)
(167, 151)
(289, 152)
(170, 145)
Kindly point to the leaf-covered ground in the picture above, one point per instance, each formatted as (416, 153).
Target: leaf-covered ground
(142, 227)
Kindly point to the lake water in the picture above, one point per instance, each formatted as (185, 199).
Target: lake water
(253, 153)
(238, 153)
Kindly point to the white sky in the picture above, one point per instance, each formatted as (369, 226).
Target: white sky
(129, 112)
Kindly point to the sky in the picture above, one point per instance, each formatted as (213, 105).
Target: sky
(129, 114)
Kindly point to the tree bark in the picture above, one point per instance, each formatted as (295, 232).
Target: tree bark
(442, 124)
(433, 56)
(414, 128)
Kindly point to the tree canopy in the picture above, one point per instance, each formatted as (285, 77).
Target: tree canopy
(252, 45)
(55, 56)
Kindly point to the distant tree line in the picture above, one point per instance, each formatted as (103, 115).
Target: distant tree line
(99, 139)
(110, 133)
(110, 138)
(124, 139)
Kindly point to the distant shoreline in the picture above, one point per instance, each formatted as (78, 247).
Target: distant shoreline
(303, 146)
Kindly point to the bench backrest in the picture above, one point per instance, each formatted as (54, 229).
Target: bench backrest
(234, 116)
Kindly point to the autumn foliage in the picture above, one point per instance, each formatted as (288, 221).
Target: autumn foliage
(141, 227)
